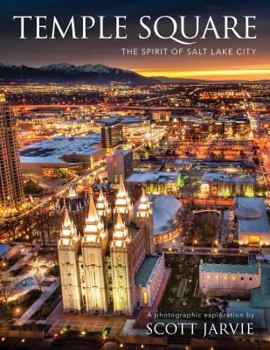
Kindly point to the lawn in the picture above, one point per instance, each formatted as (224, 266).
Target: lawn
(205, 228)
(48, 306)
(181, 292)
(16, 309)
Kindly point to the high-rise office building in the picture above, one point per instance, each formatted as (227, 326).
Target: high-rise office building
(11, 184)
(111, 133)
(119, 163)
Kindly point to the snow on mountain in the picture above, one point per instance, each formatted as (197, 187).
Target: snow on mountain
(96, 73)
(61, 67)
(86, 68)
(94, 68)
(2, 65)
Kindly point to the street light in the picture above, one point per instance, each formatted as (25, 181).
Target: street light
(17, 310)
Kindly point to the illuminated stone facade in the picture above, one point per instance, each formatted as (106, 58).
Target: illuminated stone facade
(68, 252)
(102, 271)
(228, 279)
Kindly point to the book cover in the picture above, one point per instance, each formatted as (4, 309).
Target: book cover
(134, 175)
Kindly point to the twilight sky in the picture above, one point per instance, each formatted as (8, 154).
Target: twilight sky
(40, 52)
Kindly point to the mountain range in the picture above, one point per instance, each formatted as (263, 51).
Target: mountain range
(68, 73)
(89, 73)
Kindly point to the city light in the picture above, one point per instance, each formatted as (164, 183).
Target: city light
(125, 199)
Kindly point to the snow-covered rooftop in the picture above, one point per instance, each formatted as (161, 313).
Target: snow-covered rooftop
(165, 209)
(52, 151)
(223, 177)
(4, 248)
(252, 223)
(152, 176)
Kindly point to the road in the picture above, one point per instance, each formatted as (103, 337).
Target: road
(60, 190)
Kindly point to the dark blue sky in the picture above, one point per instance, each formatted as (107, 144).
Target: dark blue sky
(35, 52)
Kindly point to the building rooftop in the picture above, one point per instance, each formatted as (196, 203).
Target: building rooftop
(121, 151)
(250, 223)
(153, 176)
(230, 268)
(223, 177)
(109, 121)
(4, 248)
(165, 209)
(260, 297)
(134, 119)
(144, 273)
(52, 151)
(244, 308)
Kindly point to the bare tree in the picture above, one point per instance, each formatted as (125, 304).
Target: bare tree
(48, 224)
(28, 226)
(12, 228)
(6, 287)
(38, 279)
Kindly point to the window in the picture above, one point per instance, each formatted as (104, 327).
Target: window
(67, 259)
(145, 297)
(250, 278)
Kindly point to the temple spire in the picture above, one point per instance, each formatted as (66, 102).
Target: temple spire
(102, 206)
(94, 227)
(123, 203)
(119, 222)
(101, 195)
(144, 208)
(120, 232)
(122, 188)
(69, 232)
(92, 212)
(67, 221)
(143, 198)
(144, 219)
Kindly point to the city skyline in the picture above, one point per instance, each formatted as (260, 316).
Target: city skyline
(138, 200)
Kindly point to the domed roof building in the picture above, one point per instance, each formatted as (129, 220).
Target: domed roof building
(253, 224)
(166, 209)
